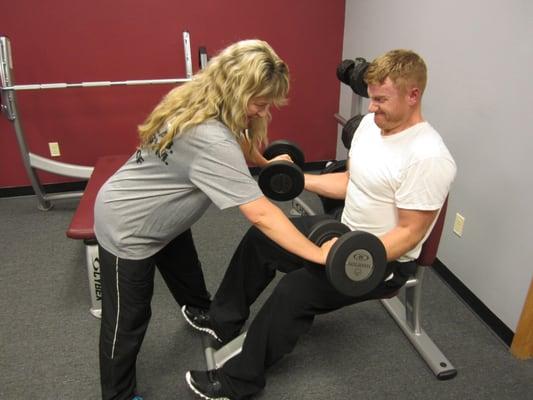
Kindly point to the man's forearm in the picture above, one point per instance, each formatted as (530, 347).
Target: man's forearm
(331, 185)
(411, 229)
(399, 241)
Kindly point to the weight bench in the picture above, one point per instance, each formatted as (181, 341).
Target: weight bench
(406, 314)
(82, 225)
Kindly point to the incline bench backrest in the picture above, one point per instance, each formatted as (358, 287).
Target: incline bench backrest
(428, 254)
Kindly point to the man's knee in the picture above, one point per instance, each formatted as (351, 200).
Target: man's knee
(292, 293)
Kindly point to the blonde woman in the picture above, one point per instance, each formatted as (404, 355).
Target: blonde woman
(193, 151)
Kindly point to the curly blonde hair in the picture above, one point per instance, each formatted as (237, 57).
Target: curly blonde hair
(244, 70)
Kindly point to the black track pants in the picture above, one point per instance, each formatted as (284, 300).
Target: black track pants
(127, 288)
(302, 293)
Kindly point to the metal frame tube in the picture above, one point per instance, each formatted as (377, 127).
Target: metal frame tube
(356, 107)
(413, 297)
(340, 119)
(6, 79)
(442, 368)
(63, 196)
(60, 168)
(11, 111)
(216, 358)
(30, 171)
(187, 51)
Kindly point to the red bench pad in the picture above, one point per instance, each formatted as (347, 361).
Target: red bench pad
(81, 226)
(428, 254)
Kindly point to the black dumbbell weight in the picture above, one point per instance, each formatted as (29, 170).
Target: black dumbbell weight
(349, 129)
(280, 147)
(352, 74)
(344, 70)
(282, 180)
(357, 261)
(357, 77)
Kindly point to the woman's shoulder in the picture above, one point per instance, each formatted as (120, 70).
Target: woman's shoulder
(208, 133)
(213, 125)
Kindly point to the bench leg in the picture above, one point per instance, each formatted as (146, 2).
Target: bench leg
(93, 271)
(408, 318)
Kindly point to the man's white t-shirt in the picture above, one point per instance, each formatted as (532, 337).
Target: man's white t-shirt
(411, 170)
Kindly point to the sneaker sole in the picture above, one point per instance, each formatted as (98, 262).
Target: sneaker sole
(199, 328)
(203, 396)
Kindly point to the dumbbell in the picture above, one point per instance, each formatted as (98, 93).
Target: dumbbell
(352, 72)
(357, 261)
(348, 130)
(282, 180)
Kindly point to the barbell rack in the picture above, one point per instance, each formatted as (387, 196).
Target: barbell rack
(33, 162)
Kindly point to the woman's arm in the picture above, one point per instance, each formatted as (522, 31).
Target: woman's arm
(256, 158)
(252, 156)
(270, 220)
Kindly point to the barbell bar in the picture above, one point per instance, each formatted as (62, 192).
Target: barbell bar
(41, 86)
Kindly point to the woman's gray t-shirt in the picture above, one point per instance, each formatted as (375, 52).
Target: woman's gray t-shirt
(153, 198)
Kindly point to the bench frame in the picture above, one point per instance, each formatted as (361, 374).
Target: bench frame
(407, 316)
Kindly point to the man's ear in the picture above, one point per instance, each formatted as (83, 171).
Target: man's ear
(413, 95)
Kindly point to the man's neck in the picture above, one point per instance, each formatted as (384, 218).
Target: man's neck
(412, 120)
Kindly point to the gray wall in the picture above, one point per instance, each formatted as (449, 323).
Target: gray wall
(480, 98)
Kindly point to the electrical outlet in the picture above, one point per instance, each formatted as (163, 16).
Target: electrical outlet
(459, 225)
(54, 149)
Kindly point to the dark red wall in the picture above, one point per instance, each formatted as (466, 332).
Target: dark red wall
(76, 41)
